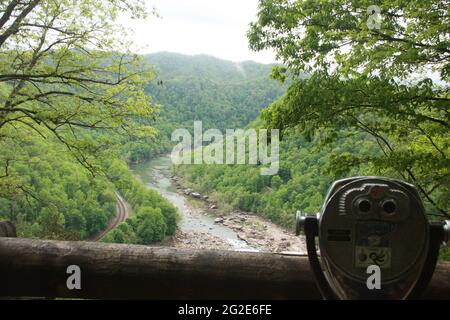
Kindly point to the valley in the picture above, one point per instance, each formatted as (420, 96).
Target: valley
(204, 226)
(157, 149)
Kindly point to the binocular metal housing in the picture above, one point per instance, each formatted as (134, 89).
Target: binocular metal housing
(367, 223)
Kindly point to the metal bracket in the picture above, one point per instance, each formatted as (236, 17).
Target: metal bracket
(447, 233)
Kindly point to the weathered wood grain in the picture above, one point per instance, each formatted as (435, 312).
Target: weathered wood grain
(38, 268)
(7, 229)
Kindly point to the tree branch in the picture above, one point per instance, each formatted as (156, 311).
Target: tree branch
(15, 25)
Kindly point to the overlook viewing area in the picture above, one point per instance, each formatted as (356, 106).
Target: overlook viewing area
(38, 268)
(167, 149)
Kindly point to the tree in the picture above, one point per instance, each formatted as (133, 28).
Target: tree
(52, 223)
(151, 227)
(65, 69)
(391, 82)
(75, 221)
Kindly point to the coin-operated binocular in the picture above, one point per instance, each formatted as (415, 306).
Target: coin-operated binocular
(369, 223)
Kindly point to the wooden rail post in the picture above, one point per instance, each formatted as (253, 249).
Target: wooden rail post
(39, 268)
(7, 229)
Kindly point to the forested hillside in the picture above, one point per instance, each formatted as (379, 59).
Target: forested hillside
(71, 102)
(51, 192)
(307, 169)
(222, 94)
(47, 194)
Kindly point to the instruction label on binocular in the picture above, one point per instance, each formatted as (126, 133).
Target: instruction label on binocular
(366, 256)
(373, 244)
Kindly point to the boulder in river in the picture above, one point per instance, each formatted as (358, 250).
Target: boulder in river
(205, 197)
(196, 195)
(213, 207)
(241, 237)
(218, 220)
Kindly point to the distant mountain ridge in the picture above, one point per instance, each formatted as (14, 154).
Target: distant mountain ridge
(171, 64)
(221, 93)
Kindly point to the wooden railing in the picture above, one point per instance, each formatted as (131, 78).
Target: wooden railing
(38, 268)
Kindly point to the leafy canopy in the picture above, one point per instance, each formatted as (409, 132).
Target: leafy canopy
(390, 82)
(66, 69)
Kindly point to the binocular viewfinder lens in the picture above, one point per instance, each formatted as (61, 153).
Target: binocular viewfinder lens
(389, 207)
(364, 206)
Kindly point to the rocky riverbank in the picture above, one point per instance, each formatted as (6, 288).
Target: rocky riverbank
(257, 232)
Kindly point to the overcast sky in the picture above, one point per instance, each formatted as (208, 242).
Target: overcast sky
(214, 27)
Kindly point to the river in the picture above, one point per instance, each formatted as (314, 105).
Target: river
(156, 174)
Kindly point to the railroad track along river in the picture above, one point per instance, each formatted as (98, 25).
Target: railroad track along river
(122, 213)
